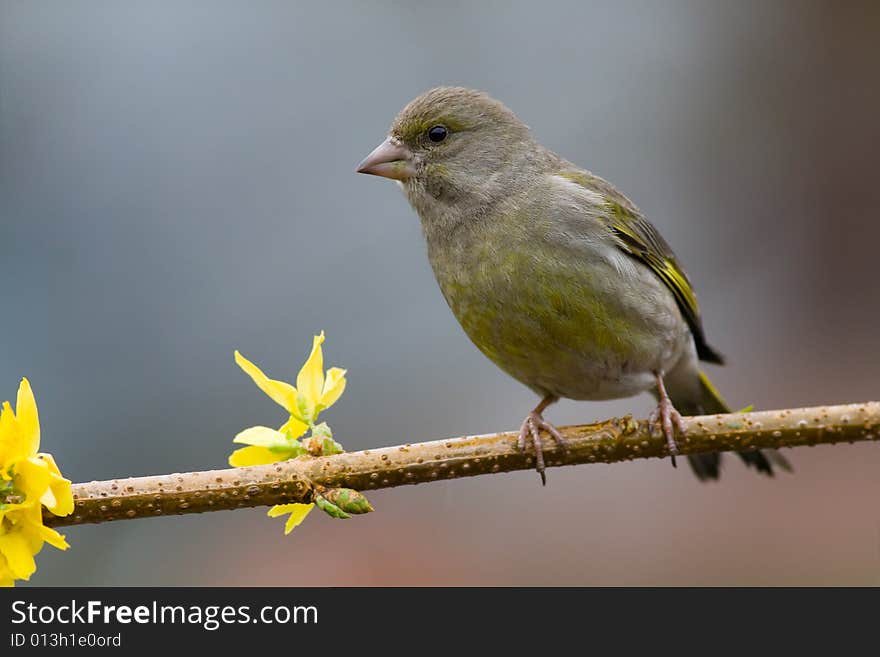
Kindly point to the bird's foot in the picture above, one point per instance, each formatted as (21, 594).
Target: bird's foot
(532, 426)
(667, 420)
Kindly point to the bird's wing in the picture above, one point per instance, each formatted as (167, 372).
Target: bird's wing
(639, 239)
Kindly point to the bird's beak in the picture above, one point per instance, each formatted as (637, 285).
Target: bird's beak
(390, 159)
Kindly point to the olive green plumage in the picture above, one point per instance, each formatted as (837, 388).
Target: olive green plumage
(554, 275)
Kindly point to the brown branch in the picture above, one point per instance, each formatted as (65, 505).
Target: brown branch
(604, 442)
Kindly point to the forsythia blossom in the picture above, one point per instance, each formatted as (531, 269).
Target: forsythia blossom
(28, 481)
(315, 392)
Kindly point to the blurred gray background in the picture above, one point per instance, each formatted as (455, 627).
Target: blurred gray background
(177, 181)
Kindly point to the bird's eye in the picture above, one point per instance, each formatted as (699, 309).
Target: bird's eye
(437, 133)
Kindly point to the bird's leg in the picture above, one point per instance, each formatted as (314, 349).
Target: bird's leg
(532, 426)
(667, 418)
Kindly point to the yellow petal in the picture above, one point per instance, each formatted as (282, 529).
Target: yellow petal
(63, 496)
(261, 437)
(28, 420)
(281, 392)
(12, 446)
(334, 386)
(32, 477)
(30, 524)
(280, 510)
(298, 513)
(60, 488)
(252, 456)
(6, 576)
(297, 516)
(310, 380)
(294, 427)
(7, 438)
(50, 461)
(53, 538)
(19, 558)
(48, 499)
(26, 520)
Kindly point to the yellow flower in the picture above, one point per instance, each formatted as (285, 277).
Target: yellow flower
(22, 537)
(314, 392)
(28, 481)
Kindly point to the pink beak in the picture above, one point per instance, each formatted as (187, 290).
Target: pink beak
(390, 159)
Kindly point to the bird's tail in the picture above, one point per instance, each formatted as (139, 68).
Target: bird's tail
(707, 466)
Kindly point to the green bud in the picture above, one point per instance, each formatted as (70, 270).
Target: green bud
(350, 501)
(329, 508)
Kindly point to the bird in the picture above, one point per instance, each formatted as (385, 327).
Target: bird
(554, 274)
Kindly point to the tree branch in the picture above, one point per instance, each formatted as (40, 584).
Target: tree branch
(619, 439)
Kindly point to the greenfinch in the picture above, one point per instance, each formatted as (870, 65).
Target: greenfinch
(555, 275)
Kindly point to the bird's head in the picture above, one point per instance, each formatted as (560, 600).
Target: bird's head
(451, 145)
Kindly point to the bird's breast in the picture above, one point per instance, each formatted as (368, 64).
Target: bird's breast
(582, 321)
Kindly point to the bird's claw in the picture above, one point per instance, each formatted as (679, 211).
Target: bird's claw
(667, 420)
(531, 427)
